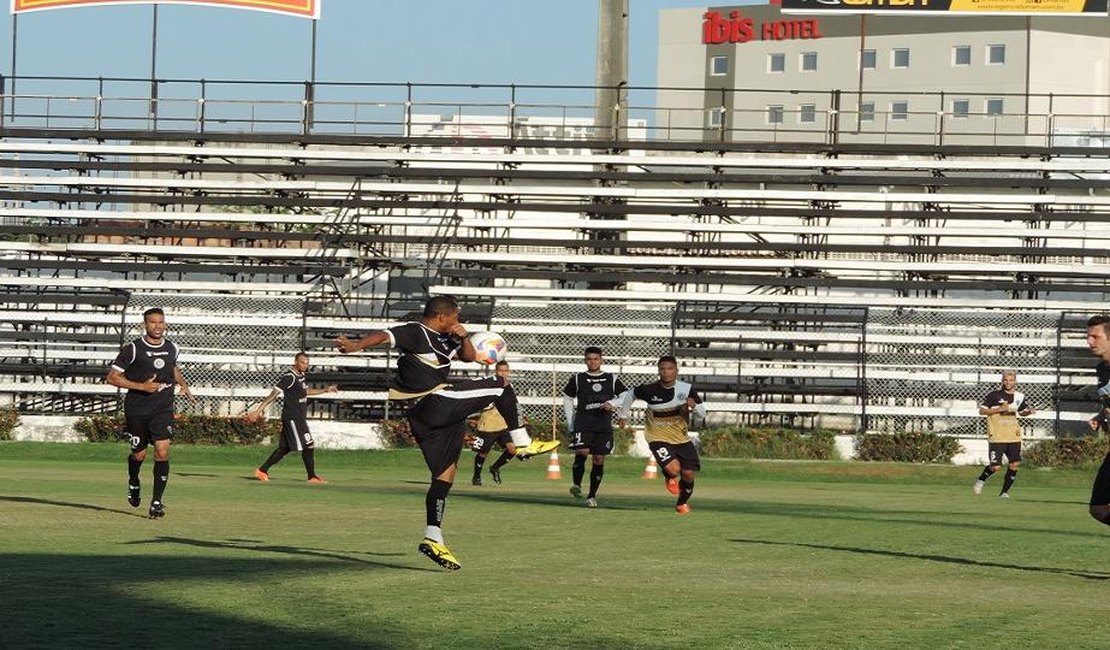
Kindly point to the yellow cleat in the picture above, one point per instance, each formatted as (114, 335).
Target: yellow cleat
(537, 447)
(440, 554)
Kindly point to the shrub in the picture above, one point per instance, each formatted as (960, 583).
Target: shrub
(395, 434)
(908, 447)
(9, 419)
(782, 444)
(1066, 452)
(188, 429)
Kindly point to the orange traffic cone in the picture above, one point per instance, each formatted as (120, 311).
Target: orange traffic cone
(553, 471)
(651, 471)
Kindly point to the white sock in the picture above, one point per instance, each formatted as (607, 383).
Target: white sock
(434, 533)
(520, 437)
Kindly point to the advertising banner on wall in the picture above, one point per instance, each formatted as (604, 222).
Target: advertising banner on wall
(303, 8)
(980, 7)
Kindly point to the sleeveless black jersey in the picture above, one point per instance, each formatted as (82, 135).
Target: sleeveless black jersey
(590, 392)
(294, 396)
(139, 361)
(426, 357)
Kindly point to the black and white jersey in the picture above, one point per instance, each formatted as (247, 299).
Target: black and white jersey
(667, 414)
(1102, 371)
(426, 357)
(585, 394)
(139, 361)
(294, 396)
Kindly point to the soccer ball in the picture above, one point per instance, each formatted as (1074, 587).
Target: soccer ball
(489, 347)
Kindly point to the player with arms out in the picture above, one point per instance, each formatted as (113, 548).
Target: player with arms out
(437, 415)
(294, 423)
(669, 405)
(147, 368)
(1001, 407)
(590, 424)
(1098, 342)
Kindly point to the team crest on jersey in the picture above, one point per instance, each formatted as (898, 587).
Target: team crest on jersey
(159, 363)
(596, 388)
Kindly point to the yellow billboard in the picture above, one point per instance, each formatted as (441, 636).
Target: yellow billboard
(304, 8)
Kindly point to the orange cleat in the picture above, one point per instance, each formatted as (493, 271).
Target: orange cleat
(682, 508)
(316, 480)
(672, 486)
(260, 475)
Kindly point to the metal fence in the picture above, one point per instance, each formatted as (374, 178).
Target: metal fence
(566, 112)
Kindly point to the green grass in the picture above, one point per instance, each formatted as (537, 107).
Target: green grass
(775, 555)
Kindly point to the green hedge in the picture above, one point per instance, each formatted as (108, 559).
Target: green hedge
(783, 444)
(189, 429)
(8, 421)
(1066, 452)
(909, 447)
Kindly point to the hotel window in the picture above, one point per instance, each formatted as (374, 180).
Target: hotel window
(809, 61)
(994, 106)
(996, 54)
(774, 114)
(961, 55)
(716, 117)
(900, 58)
(899, 111)
(718, 66)
(961, 107)
(807, 113)
(867, 59)
(867, 112)
(776, 63)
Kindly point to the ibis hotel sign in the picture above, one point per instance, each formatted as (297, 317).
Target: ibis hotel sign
(736, 28)
(981, 7)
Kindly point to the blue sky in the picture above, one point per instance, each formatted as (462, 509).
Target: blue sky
(423, 41)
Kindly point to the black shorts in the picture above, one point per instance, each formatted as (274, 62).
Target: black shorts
(295, 436)
(995, 451)
(438, 421)
(484, 441)
(143, 428)
(1100, 491)
(686, 454)
(600, 443)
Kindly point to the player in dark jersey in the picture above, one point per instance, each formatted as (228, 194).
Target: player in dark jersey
(147, 368)
(1098, 342)
(492, 430)
(1003, 432)
(589, 424)
(669, 404)
(295, 435)
(437, 416)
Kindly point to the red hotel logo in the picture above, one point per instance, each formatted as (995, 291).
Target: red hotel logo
(716, 29)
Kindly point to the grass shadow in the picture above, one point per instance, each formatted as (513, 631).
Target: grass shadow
(256, 546)
(70, 504)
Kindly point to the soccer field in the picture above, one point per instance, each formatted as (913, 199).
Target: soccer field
(775, 554)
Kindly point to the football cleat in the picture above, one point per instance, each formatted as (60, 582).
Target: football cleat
(316, 480)
(1004, 495)
(977, 488)
(477, 480)
(576, 491)
(591, 502)
(537, 447)
(495, 472)
(156, 510)
(439, 553)
(672, 486)
(682, 508)
(133, 492)
(260, 475)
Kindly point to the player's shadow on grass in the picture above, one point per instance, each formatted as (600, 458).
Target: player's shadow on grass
(946, 559)
(251, 545)
(931, 518)
(69, 504)
(108, 598)
(195, 474)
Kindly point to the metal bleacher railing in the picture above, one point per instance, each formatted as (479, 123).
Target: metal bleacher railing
(565, 112)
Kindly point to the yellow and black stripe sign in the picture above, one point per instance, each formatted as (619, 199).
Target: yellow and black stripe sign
(1008, 7)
